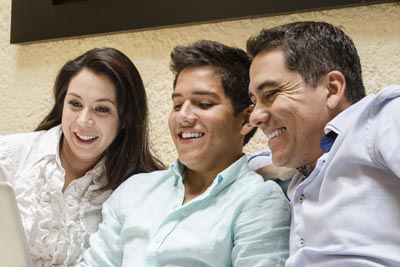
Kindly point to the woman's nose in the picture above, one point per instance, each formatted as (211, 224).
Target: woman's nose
(85, 118)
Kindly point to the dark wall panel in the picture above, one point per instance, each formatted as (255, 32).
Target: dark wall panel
(33, 20)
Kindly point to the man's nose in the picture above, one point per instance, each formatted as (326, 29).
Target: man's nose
(259, 115)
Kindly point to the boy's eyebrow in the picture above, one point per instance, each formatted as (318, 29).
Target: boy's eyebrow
(198, 93)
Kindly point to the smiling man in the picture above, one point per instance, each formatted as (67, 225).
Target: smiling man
(209, 208)
(309, 100)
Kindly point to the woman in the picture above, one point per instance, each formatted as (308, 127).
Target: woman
(94, 138)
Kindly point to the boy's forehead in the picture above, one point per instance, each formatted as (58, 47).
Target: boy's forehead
(199, 80)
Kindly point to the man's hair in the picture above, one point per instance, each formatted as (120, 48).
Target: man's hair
(230, 63)
(313, 49)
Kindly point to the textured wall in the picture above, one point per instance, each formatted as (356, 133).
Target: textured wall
(27, 71)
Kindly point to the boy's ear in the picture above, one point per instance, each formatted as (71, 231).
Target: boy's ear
(336, 85)
(246, 126)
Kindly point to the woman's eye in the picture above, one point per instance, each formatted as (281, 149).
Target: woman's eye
(75, 103)
(103, 109)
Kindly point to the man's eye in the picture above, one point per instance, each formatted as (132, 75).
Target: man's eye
(271, 94)
(103, 109)
(74, 103)
(206, 105)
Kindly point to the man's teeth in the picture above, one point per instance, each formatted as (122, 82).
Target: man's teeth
(191, 135)
(86, 138)
(276, 133)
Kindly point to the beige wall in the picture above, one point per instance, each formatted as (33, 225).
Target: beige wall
(27, 71)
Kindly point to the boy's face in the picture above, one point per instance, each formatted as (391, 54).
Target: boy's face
(207, 136)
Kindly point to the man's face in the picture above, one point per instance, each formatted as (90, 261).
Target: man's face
(206, 134)
(290, 113)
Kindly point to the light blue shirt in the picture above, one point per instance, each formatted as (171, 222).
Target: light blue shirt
(240, 220)
(347, 211)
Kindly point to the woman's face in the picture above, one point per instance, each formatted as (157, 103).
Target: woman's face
(90, 116)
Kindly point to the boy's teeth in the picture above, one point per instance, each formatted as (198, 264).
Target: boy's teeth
(191, 135)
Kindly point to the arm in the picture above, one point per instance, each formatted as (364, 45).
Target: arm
(105, 245)
(6, 167)
(261, 232)
(387, 139)
(261, 162)
(271, 171)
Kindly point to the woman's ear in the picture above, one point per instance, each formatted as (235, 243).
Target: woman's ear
(336, 85)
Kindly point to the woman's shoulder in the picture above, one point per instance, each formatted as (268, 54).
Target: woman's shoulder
(17, 147)
(25, 139)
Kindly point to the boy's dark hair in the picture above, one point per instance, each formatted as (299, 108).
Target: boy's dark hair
(230, 63)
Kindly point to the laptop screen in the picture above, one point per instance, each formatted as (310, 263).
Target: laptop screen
(14, 250)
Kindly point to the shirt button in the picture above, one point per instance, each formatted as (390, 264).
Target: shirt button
(301, 198)
(302, 243)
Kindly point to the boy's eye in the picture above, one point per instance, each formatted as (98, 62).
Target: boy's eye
(206, 105)
(177, 107)
(103, 109)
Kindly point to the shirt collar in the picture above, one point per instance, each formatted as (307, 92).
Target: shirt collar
(50, 147)
(49, 143)
(222, 180)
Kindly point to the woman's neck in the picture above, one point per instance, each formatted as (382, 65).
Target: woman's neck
(74, 167)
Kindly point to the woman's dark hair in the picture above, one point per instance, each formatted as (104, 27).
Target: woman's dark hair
(130, 151)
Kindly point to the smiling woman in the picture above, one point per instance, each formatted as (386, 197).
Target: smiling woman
(93, 139)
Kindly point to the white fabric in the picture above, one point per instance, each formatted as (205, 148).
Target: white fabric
(57, 224)
(347, 211)
(259, 159)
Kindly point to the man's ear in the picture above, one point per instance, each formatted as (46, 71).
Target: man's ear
(336, 85)
(246, 126)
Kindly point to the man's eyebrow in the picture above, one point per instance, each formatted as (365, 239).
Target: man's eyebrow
(264, 85)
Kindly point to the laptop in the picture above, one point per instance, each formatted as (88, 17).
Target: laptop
(14, 251)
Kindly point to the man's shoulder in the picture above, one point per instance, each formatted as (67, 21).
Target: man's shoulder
(389, 92)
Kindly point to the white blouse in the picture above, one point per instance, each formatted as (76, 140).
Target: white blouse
(57, 224)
